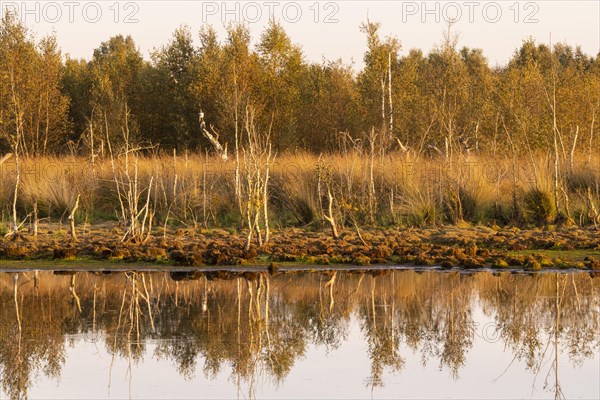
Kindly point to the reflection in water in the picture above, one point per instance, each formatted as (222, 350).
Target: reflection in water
(259, 325)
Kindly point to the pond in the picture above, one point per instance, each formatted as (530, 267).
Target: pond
(299, 334)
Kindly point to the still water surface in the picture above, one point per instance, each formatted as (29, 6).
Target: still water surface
(392, 334)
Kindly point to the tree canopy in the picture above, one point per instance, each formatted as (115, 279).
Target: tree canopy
(448, 100)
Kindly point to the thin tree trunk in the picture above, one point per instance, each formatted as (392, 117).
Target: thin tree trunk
(383, 103)
(391, 132)
(47, 127)
(249, 210)
(72, 219)
(146, 210)
(36, 143)
(372, 193)
(238, 187)
(266, 196)
(16, 194)
(34, 228)
(514, 171)
(114, 171)
(16, 149)
(16, 298)
(329, 218)
(555, 131)
(74, 293)
(591, 136)
(93, 156)
(573, 146)
(204, 198)
(320, 169)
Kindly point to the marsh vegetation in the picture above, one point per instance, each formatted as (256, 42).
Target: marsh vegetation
(253, 140)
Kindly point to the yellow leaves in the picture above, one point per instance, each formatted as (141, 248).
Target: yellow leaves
(350, 206)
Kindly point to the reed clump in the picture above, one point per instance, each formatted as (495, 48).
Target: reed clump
(538, 207)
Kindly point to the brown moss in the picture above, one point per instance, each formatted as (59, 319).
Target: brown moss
(448, 264)
(179, 257)
(361, 259)
(64, 253)
(473, 263)
(592, 263)
(250, 254)
(424, 259)
(155, 253)
(14, 252)
(381, 252)
(283, 257)
(532, 264)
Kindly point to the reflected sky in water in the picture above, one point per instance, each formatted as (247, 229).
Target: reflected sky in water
(399, 334)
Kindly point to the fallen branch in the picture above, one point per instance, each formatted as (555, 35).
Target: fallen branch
(19, 226)
(213, 138)
(403, 148)
(5, 157)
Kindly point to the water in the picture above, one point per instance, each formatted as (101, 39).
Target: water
(384, 334)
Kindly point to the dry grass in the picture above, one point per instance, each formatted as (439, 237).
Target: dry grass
(196, 190)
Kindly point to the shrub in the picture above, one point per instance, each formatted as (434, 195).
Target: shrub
(459, 205)
(538, 207)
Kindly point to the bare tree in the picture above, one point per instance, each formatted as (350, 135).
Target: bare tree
(324, 175)
(258, 159)
(129, 187)
(329, 217)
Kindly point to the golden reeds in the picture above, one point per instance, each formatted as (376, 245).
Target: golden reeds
(199, 190)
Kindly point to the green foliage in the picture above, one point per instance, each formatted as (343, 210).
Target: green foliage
(378, 57)
(174, 75)
(116, 90)
(448, 100)
(33, 110)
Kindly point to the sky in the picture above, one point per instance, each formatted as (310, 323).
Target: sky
(324, 29)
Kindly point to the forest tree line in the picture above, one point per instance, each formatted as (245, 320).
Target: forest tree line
(449, 100)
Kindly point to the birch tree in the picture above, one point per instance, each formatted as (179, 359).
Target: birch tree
(17, 58)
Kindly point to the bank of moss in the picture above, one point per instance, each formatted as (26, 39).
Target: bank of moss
(447, 247)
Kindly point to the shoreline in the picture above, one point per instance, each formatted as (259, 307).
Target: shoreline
(445, 248)
(95, 266)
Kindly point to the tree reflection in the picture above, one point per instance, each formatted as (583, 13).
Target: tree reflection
(256, 326)
(540, 316)
(378, 325)
(33, 342)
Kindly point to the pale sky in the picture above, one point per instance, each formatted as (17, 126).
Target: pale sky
(327, 29)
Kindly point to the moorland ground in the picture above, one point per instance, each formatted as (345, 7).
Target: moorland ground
(392, 210)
